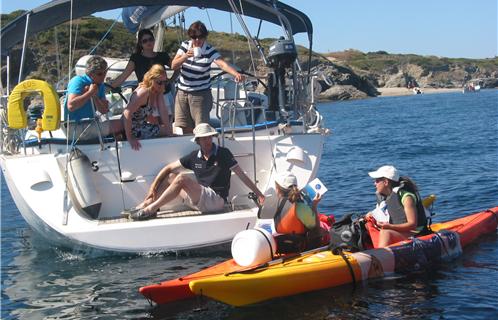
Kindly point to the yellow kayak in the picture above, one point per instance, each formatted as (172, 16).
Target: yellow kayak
(324, 269)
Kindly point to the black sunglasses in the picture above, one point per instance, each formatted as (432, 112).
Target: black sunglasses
(196, 37)
(161, 82)
(149, 39)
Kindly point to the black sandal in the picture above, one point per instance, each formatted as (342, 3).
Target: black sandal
(130, 211)
(140, 214)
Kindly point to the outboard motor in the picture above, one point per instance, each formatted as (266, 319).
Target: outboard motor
(281, 56)
(81, 184)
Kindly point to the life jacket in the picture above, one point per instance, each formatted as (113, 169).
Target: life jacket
(397, 214)
(294, 218)
(297, 226)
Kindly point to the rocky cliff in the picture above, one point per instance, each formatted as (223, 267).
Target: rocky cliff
(397, 70)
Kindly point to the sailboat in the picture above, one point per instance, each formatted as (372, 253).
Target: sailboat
(74, 194)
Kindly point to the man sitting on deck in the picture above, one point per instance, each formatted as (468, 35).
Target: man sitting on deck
(211, 165)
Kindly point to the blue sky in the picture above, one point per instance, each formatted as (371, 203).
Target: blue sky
(449, 28)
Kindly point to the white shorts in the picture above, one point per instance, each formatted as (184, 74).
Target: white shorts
(209, 201)
(88, 130)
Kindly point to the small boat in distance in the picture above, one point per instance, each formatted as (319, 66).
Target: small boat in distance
(471, 88)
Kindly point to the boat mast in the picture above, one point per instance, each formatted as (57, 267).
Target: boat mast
(70, 53)
(23, 48)
(8, 75)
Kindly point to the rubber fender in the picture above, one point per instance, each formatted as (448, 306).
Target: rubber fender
(82, 185)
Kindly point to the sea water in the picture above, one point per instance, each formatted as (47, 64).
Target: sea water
(448, 144)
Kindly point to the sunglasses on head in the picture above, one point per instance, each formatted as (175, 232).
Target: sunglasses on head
(148, 39)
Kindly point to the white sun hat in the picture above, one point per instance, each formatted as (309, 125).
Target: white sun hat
(286, 179)
(204, 130)
(388, 172)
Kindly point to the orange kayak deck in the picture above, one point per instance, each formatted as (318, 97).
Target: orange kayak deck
(178, 289)
(467, 229)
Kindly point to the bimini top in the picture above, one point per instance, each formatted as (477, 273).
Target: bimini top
(58, 11)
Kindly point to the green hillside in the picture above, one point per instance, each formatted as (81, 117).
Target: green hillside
(47, 56)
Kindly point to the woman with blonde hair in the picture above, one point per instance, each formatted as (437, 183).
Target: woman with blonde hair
(142, 59)
(146, 115)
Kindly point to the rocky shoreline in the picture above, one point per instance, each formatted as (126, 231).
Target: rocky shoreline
(353, 75)
(338, 82)
(391, 92)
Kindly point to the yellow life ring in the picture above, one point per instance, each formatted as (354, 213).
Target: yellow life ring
(16, 115)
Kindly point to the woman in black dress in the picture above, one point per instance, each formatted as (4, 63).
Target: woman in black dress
(143, 59)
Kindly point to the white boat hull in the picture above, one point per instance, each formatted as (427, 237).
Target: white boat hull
(37, 183)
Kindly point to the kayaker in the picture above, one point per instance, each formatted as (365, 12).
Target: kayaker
(297, 223)
(399, 213)
(211, 165)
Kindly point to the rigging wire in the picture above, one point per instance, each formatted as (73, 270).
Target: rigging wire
(57, 53)
(105, 35)
(248, 41)
(248, 34)
(70, 59)
(231, 32)
(75, 41)
(209, 19)
(71, 69)
(65, 199)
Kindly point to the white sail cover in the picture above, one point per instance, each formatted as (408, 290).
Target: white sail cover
(141, 17)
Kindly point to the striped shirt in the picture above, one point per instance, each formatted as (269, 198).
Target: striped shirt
(195, 72)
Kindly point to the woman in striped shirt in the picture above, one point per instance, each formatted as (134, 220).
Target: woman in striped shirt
(194, 99)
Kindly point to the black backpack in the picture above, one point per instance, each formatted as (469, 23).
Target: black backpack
(349, 233)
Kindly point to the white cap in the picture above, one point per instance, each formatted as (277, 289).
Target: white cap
(204, 130)
(388, 172)
(286, 179)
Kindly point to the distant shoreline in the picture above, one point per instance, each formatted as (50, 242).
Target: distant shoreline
(391, 92)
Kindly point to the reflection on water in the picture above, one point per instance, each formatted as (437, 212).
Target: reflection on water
(447, 143)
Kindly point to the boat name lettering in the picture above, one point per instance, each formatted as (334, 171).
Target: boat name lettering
(95, 166)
